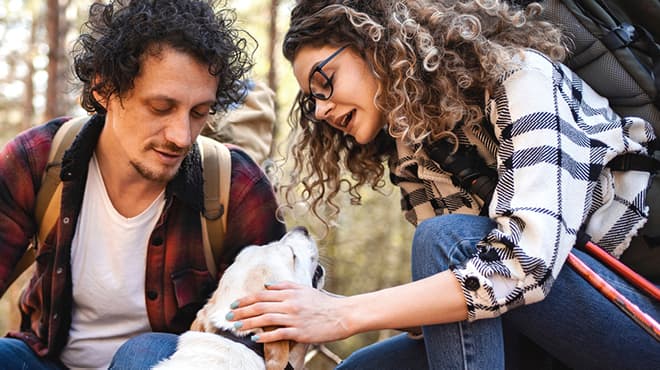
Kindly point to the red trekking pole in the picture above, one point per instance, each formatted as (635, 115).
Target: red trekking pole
(623, 270)
(645, 321)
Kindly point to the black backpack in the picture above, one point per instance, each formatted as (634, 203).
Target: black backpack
(617, 39)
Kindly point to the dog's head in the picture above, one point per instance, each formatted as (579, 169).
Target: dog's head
(295, 258)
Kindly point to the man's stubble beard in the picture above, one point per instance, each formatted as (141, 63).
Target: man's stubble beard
(154, 176)
(163, 177)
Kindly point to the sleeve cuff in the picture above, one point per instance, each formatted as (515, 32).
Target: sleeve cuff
(478, 294)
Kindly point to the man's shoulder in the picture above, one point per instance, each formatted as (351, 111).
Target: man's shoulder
(35, 142)
(243, 165)
(43, 133)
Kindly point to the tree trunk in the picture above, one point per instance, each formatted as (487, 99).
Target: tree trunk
(67, 102)
(52, 29)
(272, 71)
(28, 106)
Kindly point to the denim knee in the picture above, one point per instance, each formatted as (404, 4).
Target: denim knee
(144, 351)
(447, 240)
(399, 352)
(16, 354)
(140, 341)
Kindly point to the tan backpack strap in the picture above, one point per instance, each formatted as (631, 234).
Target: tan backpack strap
(49, 196)
(216, 164)
(225, 181)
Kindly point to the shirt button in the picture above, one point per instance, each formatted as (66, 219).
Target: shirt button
(59, 270)
(152, 295)
(55, 316)
(157, 240)
(489, 255)
(472, 283)
(65, 220)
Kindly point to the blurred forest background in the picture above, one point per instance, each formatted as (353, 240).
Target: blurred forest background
(366, 250)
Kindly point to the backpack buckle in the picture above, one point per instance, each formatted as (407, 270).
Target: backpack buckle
(620, 37)
(214, 212)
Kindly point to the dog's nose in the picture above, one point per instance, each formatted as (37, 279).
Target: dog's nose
(301, 229)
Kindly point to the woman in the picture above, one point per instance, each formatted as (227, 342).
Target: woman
(429, 86)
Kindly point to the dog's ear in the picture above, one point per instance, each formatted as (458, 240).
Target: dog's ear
(276, 354)
(297, 352)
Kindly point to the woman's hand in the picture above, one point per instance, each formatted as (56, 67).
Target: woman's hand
(307, 315)
(301, 313)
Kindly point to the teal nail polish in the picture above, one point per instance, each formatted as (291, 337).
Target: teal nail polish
(229, 316)
(254, 338)
(238, 325)
(234, 305)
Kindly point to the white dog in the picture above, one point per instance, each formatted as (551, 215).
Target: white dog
(295, 258)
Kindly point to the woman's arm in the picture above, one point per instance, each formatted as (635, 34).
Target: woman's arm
(310, 316)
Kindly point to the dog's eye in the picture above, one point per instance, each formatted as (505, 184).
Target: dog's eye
(294, 254)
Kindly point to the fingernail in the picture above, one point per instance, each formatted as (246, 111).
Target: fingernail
(234, 305)
(230, 315)
(238, 325)
(254, 338)
(269, 284)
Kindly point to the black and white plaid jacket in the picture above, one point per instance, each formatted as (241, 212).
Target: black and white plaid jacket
(554, 135)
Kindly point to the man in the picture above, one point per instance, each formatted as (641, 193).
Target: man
(127, 256)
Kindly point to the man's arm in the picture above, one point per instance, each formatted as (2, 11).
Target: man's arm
(22, 161)
(251, 213)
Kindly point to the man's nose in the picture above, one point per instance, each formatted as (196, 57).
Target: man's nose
(179, 131)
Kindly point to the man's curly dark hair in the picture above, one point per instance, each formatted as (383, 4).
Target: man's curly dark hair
(109, 51)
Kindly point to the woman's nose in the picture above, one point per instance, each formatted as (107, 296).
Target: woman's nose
(323, 109)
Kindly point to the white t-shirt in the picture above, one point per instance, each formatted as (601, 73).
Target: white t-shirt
(108, 273)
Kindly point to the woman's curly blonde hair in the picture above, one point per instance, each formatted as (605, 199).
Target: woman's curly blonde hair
(434, 59)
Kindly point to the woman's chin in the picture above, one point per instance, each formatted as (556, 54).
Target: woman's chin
(363, 139)
(360, 140)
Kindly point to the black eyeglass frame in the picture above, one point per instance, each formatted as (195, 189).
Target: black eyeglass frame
(308, 101)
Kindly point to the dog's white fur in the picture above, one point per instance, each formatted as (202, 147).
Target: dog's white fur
(295, 258)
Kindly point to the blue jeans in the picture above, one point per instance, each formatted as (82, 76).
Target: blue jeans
(574, 323)
(15, 354)
(144, 351)
(140, 352)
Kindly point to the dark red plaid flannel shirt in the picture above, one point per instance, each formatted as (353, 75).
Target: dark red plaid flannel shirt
(177, 281)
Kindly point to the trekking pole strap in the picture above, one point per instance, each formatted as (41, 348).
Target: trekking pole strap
(634, 162)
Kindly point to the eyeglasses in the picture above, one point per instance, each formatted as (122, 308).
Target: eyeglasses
(320, 87)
